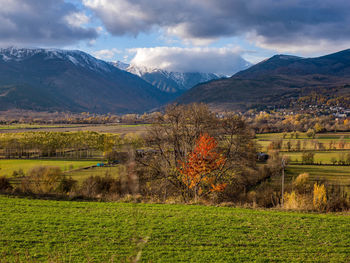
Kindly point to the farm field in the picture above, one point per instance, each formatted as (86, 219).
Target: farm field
(322, 157)
(7, 166)
(62, 231)
(104, 128)
(82, 174)
(337, 175)
(306, 143)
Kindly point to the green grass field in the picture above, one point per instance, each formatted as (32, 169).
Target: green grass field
(82, 174)
(8, 166)
(62, 231)
(325, 157)
(337, 175)
(325, 138)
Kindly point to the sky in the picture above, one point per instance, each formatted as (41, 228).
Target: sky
(216, 36)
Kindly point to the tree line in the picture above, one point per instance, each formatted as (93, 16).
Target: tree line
(56, 144)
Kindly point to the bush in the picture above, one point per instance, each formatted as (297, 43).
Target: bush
(296, 201)
(42, 180)
(96, 186)
(67, 185)
(319, 197)
(310, 133)
(18, 173)
(308, 157)
(5, 184)
(301, 183)
(337, 199)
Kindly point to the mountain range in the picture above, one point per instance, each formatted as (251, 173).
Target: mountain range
(174, 83)
(278, 82)
(60, 80)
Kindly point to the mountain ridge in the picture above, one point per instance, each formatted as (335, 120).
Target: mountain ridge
(71, 81)
(277, 82)
(168, 81)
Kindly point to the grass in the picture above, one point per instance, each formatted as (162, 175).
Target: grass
(121, 129)
(338, 175)
(62, 231)
(33, 126)
(82, 174)
(326, 138)
(8, 166)
(325, 157)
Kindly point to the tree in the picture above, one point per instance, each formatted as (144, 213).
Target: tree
(308, 157)
(201, 171)
(174, 135)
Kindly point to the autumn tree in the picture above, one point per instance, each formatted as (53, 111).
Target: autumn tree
(202, 169)
(173, 137)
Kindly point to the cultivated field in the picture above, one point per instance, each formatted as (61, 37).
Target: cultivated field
(7, 167)
(121, 129)
(334, 147)
(81, 174)
(61, 231)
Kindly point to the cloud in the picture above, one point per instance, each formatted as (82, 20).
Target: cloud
(287, 25)
(44, 23)
(106, 54)
(207, 60)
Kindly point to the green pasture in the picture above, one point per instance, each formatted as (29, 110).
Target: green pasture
(264, 140)
(82, 174)
(302, 135)
(7, 166)
(324, 157)
(336, 175)
(63, 231)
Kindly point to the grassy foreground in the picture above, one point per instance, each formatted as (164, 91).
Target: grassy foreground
(62, 231)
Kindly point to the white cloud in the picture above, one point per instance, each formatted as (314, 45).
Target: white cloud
(224, 60)
(77, 19)
(106, 54)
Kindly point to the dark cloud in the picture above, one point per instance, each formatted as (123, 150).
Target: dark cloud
(42, 22)
(285, 23)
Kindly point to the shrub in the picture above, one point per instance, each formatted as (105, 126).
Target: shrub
(42, 180)
(5, 184)
(67, 185)
(301, 183)
(308, 157)
(96, 186)
(296, 201)
(337, 199)
(319, 197)
(310, 133)
(18, 173)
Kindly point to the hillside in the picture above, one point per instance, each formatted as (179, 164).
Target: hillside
(61, 231)
(60, 80)
(280, 81)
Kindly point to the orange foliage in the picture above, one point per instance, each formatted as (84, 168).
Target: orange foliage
(202, 166)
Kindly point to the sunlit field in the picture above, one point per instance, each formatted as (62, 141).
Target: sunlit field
(61, 231)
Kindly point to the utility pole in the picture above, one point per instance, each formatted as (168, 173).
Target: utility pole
(283, 166)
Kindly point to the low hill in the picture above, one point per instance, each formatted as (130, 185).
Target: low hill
(61, 80)
(278, 82)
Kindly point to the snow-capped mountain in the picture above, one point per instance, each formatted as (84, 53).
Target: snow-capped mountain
(70, 80)
(171, 82)
(76, 57)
